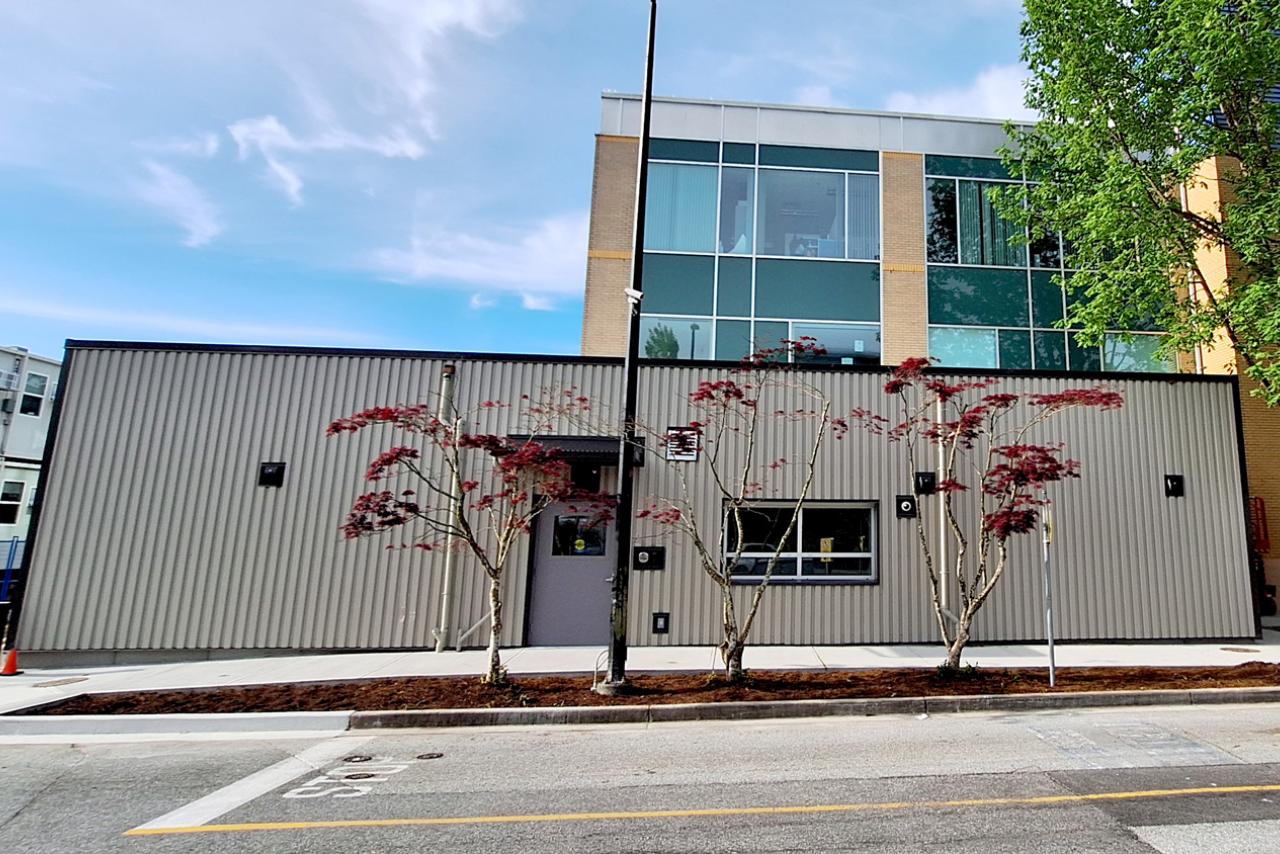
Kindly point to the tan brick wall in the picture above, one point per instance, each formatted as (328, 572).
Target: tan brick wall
(613, 200)
(904, 330)
(1261, 438)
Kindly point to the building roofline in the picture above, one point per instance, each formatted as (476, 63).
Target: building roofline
(278, 349)
(843, 111)
(18, 351)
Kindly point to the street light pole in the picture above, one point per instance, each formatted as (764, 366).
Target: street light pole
(617, 678)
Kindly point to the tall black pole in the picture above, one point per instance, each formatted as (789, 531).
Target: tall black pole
(627, 449)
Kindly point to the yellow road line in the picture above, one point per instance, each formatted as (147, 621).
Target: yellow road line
(886, 806)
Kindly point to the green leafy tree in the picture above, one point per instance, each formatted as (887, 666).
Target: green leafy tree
(661, 343)
(1135, 97)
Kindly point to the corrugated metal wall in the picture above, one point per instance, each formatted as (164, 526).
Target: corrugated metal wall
(155, 536)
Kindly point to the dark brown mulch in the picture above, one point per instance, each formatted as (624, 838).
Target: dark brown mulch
(457, 692)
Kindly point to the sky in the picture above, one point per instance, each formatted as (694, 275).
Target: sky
(388, 173)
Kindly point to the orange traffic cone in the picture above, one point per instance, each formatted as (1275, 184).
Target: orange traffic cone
(11, 664)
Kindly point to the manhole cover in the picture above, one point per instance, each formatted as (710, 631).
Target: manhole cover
(356, 758)
(361, 776)
(430, 755)
(1239, 649)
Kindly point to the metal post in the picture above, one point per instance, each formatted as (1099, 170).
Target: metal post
(446, 414)
(626, 449)
(1047, 538)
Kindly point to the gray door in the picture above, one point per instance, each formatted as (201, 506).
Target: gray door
(572, 568)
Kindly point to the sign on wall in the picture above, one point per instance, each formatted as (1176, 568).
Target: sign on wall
(682, 444)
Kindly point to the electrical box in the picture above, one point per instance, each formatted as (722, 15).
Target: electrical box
(926, 483)
(906, 506)
(649, 557)
(661, 622)
(1174, 486)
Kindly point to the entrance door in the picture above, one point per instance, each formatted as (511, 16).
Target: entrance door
(572, 569)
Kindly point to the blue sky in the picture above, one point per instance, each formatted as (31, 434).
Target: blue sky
(387, 173)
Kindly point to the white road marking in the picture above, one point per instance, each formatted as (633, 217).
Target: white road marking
(1238, 837)
(242, 791)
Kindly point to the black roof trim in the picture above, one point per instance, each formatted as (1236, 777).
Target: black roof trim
(80, 344)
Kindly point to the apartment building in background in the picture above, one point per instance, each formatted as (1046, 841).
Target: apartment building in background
(874, 233)
(27, 386)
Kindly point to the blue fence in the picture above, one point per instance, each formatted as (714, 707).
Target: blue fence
(11, 555)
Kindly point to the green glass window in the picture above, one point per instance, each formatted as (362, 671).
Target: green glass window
(1015, 349)
(940, 220)
(739, 152)
(734, 290)
(1081, 357)
(801, 214)
(864, 217)
(771, 333)
(963, 348)
(680, 211)
(683, 149)
(985, 236)
(678, 284)
(675, 337)
(737, 193)
(1046, 252)
(733, 340)
(827, 289)
(1136, 354)
(964, 167)
(973, 297)
(819, 158)
(845, 344)
(1046, 298)
(1051, 351)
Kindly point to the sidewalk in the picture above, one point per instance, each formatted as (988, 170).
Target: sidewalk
(38, 686)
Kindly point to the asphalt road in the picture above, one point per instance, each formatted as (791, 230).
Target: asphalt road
(1172, 780)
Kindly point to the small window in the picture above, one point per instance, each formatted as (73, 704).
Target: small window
(837, 542)
(32, 402)
(578, 536)
(10, 501)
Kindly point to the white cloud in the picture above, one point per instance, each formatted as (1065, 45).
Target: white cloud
(815, 96)
(203, 145)
(540, 265)
(270, 138)
(178, 196)
(480, 302)
(217, 330)
(996, 93)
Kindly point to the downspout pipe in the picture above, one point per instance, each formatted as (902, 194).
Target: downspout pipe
(447, 414)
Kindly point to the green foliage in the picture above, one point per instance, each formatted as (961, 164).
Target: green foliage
(949, 673)
(662, 343)
(1134, 97)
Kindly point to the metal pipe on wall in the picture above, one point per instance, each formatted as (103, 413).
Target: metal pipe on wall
(447, 413)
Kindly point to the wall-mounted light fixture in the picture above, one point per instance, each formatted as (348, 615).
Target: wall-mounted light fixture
(649, 557)
(661, 622)
(906, 506)
(926, 483)
(1174, 486)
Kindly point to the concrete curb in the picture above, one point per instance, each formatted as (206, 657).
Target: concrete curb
(806, 708)
(283, 722)
(337, 722)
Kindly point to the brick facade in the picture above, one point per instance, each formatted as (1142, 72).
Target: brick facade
(904, 330)
(613, 194)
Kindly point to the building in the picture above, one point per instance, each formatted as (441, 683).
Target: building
(872, 232)
(159, 535)
(28, 384)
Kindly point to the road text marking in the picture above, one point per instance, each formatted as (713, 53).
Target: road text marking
(1043, 800)
(189, 818)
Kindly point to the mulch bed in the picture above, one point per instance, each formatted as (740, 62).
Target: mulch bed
(457, 692)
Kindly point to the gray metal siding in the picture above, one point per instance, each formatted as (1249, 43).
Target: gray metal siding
(154, 534)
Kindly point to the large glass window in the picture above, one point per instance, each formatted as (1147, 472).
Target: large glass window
(733, 292)
(733, 340)
(985, 236)
(846, 344)
(817, 289)
(675, 337)
(737, 190)
(680, 211)
(836, 542)
(864, 217)
(1136, 354)
(801, 214)
(678, 284)
(963, 348)
(972, 297)
(940, 220)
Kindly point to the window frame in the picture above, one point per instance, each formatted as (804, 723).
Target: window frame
(40, 397)
(799, 554)
(15, 504)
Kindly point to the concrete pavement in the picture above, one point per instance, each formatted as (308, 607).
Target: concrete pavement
(40, 685)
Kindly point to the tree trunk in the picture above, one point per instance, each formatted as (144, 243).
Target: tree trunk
(733, 662)
(496, 675)
(956, 649)
(732, 646)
